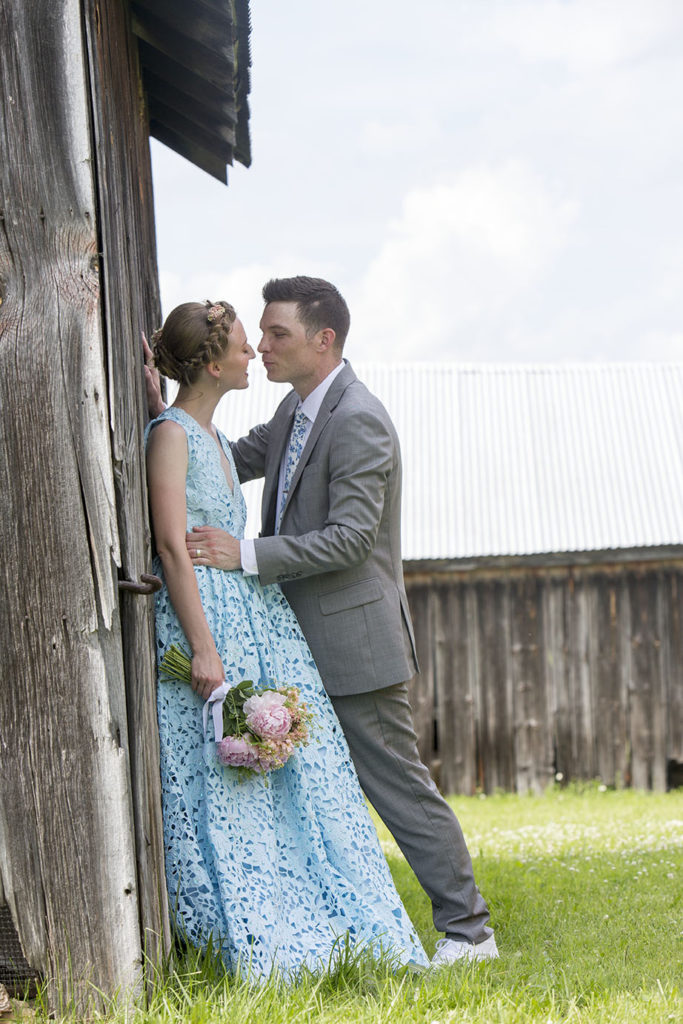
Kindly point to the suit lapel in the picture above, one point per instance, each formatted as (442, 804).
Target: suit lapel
(281, 429)
(329, 403)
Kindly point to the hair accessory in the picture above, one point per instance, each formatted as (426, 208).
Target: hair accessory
(215, 313)
(156, 335)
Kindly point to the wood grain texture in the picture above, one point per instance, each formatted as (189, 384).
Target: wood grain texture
(673, 666)
(67, 848)
(422, 697)
(455, 700)
(574, 670)
(130, 304)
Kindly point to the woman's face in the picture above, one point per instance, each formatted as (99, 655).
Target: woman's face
(233, 365)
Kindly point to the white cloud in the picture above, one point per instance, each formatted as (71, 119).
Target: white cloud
(662, 346)
(529, 152)
(585, 35)
(382, 138)
(462, 250)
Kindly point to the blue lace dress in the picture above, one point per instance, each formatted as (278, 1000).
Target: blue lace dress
(280, 869)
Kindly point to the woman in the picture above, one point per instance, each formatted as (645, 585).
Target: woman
(280, 869)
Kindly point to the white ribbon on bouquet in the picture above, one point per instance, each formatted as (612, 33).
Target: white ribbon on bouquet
(214, 706)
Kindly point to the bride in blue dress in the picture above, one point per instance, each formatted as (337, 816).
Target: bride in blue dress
(279, 870)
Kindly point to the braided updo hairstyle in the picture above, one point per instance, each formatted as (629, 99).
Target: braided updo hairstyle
(193, 335)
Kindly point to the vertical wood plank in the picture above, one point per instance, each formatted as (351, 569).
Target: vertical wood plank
(579, 672)
(645, 662)
(674, 667)
(456, 736)
(68, 859)
(660, 708)
(577, 709)
(557, 596)
(533, 759)
(611, 739)
(421, 689)
(470, 708)
(626, 669)
(495, 769)
(586, 767)
(131, 303)
(545, 749)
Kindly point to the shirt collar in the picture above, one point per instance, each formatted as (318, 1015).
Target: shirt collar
(311, 404)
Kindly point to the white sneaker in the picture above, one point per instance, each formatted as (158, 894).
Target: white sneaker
(449, 951)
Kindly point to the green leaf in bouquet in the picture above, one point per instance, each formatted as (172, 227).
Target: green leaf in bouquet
(233, 715)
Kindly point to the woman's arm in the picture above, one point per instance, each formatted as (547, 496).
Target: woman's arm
(166, 476)
(155, 402)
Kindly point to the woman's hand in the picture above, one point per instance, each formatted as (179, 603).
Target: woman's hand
(207, 672)
(155, 402)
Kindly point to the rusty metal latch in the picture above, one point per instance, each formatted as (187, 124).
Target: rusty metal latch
(148, 584)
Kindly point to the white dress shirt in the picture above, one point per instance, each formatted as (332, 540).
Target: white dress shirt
(310, 407)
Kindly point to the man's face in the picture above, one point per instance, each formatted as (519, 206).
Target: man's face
(289, 356)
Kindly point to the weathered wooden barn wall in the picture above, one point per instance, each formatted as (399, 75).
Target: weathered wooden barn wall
(531, 671)
(130, 301)
(77, 282)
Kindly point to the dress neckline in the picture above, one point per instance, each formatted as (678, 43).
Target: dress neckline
(219, 436)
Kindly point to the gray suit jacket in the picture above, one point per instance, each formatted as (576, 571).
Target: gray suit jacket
(338, 553)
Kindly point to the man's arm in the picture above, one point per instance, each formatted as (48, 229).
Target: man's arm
(249, 452)
(209, 545)
(362, 456)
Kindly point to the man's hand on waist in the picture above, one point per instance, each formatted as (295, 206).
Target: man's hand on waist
(208, 545)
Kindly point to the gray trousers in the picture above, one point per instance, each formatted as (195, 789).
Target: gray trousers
(379, 730)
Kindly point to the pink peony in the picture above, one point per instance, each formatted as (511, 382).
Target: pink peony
(267, 715)
(239, 752)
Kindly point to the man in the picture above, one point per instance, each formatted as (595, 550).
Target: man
(331, 526)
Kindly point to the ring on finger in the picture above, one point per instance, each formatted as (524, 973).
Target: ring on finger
(199, 552)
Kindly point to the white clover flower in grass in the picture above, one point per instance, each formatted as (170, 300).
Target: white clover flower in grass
(573, 837)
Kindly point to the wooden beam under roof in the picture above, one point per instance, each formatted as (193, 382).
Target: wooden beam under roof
(195, 62)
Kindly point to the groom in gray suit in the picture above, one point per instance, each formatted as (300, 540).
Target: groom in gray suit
(331, 529)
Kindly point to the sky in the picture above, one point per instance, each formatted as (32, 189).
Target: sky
(485, 181)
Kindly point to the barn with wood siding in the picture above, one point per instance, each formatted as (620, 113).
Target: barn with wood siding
(83, 84)
(543, 557)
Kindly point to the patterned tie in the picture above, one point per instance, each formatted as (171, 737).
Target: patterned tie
(296, 446)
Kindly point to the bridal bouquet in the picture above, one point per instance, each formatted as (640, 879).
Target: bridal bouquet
(255, 730)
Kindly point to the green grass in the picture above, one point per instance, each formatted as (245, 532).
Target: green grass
(586, 893)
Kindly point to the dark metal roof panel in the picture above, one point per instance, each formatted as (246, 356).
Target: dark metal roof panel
(195, 62)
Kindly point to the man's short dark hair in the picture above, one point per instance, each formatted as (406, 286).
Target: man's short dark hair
(319, 304)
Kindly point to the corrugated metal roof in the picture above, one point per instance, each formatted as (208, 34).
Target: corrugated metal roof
(521, 460)
(195, 60)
